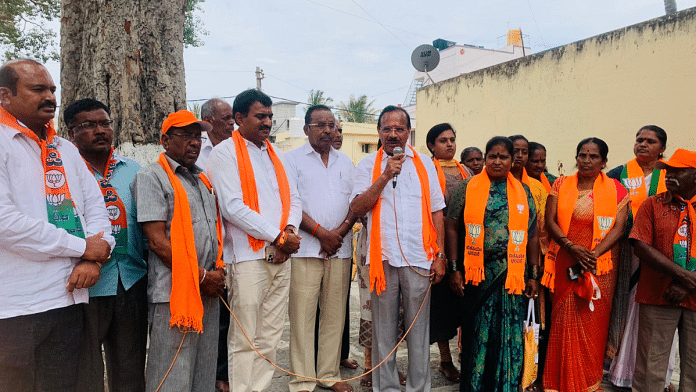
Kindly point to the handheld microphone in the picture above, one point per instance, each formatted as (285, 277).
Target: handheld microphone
(397, 151)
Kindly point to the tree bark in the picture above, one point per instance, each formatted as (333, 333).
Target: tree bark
(128, 54)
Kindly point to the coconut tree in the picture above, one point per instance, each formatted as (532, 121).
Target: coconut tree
(358, 109)
(316, 97)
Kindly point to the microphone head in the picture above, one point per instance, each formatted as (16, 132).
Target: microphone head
(398, 150)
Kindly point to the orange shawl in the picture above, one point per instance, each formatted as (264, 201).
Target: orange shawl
(185, 300)
(377, 279)
(545, 182)
(249, 193)
(605, 208)
(634, 182)
(477, 192)
(441, 173)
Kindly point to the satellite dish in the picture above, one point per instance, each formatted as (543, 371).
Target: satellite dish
(425, 58)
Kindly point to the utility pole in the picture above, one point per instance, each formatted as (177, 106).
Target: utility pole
(522, 42)
(259, 76)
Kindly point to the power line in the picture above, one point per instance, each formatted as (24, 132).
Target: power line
(380, 23)
(293, 85)
(369, 20)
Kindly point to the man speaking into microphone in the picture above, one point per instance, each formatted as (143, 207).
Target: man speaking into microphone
(405, 246)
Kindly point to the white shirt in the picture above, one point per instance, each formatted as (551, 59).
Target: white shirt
(240, 220)
(408, 208)
(206, 148)
(325, 194)
(36, 257)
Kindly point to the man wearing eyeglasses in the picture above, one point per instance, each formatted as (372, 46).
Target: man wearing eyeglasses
(321, 268)
(54, 236)
(177, 210)
(116, 315)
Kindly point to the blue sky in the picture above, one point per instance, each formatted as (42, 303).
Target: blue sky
(358, 47)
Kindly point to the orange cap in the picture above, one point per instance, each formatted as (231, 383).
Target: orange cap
(680, 159)
(183, 118)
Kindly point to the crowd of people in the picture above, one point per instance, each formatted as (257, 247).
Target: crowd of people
(110, 267)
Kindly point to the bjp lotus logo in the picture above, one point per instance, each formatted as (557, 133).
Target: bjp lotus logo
(474, 231)
(115, 230)
(683, 230)
(517, 238)
(605, 223)
(55, 200)
(114, 212)
(54, 179)
(520, 208)
(633, 183)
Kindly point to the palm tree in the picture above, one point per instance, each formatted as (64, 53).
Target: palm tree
(317, 98)
(670, 7)
(358, 110)
(195, 108)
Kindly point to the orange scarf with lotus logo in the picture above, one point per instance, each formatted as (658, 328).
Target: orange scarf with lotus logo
(114, 206)
(59, 204)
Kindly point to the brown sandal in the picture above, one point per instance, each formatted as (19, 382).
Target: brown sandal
(449, 371)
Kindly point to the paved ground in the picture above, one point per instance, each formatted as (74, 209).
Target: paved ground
(439, 383)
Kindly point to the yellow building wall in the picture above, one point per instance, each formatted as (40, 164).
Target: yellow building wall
(606, 86)
(354, 136)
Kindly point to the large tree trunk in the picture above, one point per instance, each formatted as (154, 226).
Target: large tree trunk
(129, 55)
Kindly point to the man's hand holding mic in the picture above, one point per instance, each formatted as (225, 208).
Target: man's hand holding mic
(394, 164)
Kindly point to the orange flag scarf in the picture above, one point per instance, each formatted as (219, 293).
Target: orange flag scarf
(249, 192)
(185, 300)
(632, 178)
(60, 207)
(605, 206)
(114, 206)
(441, 173)
(477, 192)
(685, 234)
(377, 280)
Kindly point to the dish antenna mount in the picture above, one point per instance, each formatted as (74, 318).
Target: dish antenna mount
(425, 58)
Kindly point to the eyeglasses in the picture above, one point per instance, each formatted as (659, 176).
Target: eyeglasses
(188, 137)
(92, 125)
(323, 125)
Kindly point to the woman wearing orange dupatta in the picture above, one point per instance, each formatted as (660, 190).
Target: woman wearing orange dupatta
(491, 227)
(642, 180)
(444, 321)
(596, 207)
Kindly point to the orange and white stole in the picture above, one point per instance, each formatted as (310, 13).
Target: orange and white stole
(250, 195)
(185, 301)
(60, 207)
(477, 192)
(377, 279)
(114, 206)
(605, 208)
(632, 178)
(441, 174)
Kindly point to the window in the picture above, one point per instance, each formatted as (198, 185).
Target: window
(368, 148)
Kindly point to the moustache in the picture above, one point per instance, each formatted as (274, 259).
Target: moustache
(47, 104)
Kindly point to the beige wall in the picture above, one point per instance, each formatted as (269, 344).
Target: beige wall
(606, 86)
(354, 136)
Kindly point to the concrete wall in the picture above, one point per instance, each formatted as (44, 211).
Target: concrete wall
(606, 86)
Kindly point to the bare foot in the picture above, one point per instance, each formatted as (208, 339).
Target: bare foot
(449, 371)
(366, 380)
(349, 363)
(341, 387)
(670, 388)
(222, 386)
(402, 378)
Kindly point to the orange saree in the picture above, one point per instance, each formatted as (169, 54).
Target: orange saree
(579, 335)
